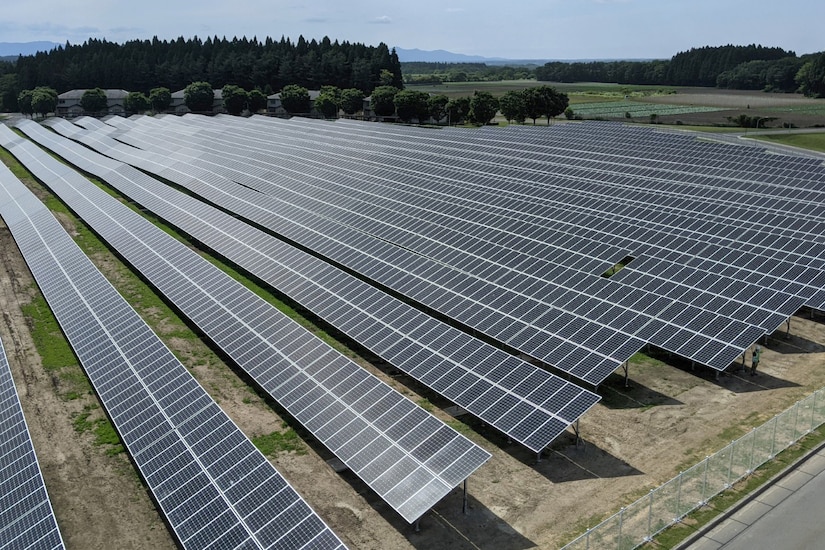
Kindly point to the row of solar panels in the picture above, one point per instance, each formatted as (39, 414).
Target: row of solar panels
(212, 485)
(668, 320)
(26, 516)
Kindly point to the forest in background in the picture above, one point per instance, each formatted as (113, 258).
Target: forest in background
(141, 65)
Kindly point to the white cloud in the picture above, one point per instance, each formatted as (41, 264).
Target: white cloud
(382, 20)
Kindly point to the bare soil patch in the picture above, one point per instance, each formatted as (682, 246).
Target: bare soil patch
(638, 437)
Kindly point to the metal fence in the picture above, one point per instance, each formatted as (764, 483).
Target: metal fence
(666, 505)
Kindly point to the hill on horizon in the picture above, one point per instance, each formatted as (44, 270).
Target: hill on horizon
(13, 49)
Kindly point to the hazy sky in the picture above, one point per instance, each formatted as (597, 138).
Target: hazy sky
(523, 29)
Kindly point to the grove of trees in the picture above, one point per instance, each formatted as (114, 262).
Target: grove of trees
(141, 65)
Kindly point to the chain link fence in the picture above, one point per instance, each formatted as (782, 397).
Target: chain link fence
(666, 505)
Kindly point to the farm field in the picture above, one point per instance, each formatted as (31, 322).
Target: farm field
(669, 418)
(687, 105)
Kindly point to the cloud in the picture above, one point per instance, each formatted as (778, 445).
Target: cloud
(381, 20)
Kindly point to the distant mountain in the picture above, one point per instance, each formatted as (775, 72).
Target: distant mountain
(440, 56)
(25, 48)
(443, 56)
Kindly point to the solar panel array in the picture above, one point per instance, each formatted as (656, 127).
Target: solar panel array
(702, 289)
(580, 346)
(407, 456)
(26, 517)
(212, 485)
(704, 308)
(528, 404)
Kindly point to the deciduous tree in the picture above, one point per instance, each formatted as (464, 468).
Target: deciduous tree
(235, 99)
(327, 105)
(437, 107)
(295, 99)
(94, 101)
(136, 102)
(483, 107)
(458, 109)
(44, 100)
(382, 100)
(257, 100)
(512, 106)
(352, 100)
(160, 99)
(811, 77)
(199, 97)
(24, 102)
(410, 104)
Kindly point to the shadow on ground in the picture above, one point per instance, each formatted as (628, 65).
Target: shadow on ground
(446, 525)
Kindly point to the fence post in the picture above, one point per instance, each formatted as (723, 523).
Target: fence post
(730, 462)
(705, 480)
(773, 437)
(587, 540)
(813, 412)
(795, 422)
(621, 519)
(678, 500)
(649, 536)
(753, 449)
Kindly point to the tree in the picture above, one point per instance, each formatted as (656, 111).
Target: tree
(458, 109)
(44, 100)
(235, 99)
(136, 102)
(352, 100)
(544, 101)
(411, 104)
(24, 102)
(160, 99)
(386, 77)
(295, 99)
(327, 105)
(483, 107)
(512, 106)
(199, 97)
(257, 100)
(811, 77)
(94, 101)
(8, 92)
(554, 102)
(533, 107)
(437, 107)
(382, 100)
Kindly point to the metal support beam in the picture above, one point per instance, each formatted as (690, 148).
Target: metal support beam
(464, 507)
(788, 331)
(625, 367)
(417, 525)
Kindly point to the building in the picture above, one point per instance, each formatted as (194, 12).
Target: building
(178, 106)
(68, 103)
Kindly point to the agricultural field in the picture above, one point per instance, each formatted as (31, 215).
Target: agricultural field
(672, 105)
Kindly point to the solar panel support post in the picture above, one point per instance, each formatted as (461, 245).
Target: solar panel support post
(417, 525)
(625, 367)
(578, 434)
(788, 330)
(464, 504)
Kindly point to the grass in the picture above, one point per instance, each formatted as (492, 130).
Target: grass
(812, 141)
(277, 443)
(102, 429)
(674, 535)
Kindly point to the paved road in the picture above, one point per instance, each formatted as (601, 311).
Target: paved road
(789, 515)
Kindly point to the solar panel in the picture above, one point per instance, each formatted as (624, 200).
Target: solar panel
(317, 385)
(390, 328)
(26, 516)
(203, 472)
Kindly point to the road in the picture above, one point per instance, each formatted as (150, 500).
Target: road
(788, 515)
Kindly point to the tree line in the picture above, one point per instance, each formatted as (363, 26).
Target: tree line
(141, 65)
(736, 67)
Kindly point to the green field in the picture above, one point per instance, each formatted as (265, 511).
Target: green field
(813, 141)
(636, 109)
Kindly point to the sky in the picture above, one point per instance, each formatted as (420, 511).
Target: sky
(518, 29)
